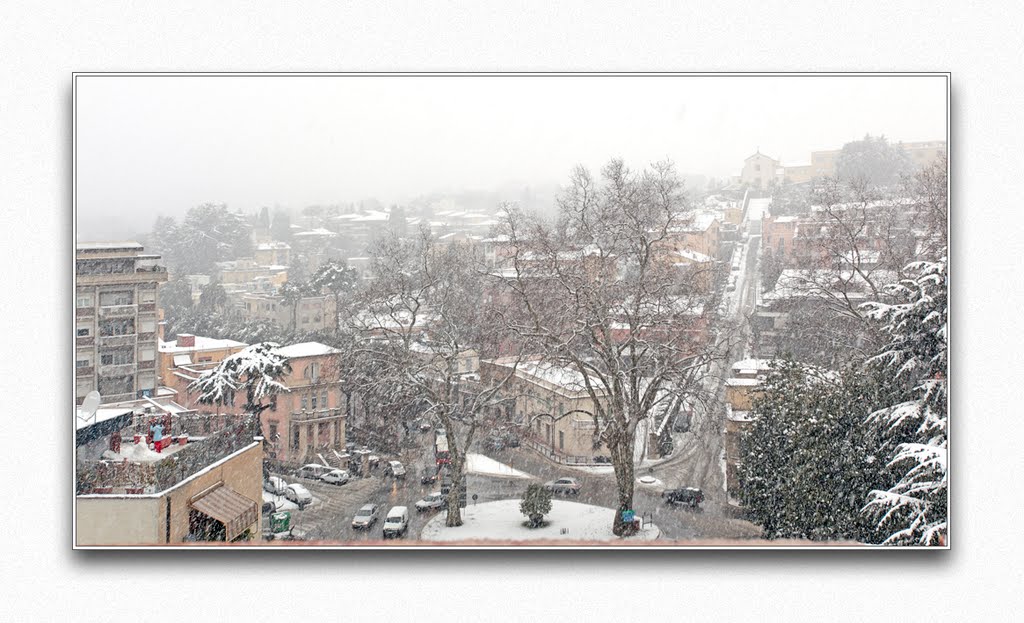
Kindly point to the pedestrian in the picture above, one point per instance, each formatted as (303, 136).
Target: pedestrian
(158, 433)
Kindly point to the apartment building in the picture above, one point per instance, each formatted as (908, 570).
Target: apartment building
(116, 320)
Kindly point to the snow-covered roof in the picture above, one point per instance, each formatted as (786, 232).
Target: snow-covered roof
(101, 415)
(500, 238)
(785, 219)
(305, 349)
(269, 246)
(320, 231)
(373, 216)
(734, 382)
(756, 365)
(202, 343)
(694, 256)
(737, 416)
(107, 246)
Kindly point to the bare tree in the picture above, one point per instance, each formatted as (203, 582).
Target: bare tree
(428, 316)
(598, 290)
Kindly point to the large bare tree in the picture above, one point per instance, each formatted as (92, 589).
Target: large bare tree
(599, 290)
(428, 315)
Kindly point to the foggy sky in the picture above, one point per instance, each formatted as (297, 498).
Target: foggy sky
(150, 145)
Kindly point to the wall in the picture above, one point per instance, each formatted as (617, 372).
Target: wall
(105, 520)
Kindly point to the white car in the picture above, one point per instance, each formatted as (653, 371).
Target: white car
(336, 477)
(434, 501)
(397, 522)
(275, 485)
(313, 471)
(567, 486)
(395, 468)
(298, 494)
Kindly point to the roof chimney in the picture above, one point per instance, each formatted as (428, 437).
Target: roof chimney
(186, 340)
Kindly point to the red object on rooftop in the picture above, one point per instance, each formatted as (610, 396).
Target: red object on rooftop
(185, 339)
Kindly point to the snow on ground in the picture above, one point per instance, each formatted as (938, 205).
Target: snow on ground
(502, 520)
(280, 503)
(593, 469)
(486, 466)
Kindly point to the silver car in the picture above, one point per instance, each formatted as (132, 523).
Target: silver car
(365, 517)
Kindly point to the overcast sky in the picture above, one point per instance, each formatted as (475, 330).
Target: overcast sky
(161, 144)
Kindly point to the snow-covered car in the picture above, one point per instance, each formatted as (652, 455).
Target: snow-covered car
(275, 485)
(566, 486)
(336, 477)
(298, 494)
(397, 522)
(365, 517)
(313, 471)
(691, 496)
(425, 427)
(434, 501)
(394, 468)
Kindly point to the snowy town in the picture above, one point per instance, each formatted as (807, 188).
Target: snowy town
(762, 358)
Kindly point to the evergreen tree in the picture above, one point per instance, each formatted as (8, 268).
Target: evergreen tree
(337, 278)
(807, 459)
(913, 431)
(535, 504)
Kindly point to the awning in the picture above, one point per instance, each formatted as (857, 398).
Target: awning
(229, 507)
(182, 360)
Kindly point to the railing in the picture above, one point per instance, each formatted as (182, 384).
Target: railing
(103, 476)
(117, 340)
(117, 311)
(117, 278)
(317, 415)
(112, 369)
(556, 456)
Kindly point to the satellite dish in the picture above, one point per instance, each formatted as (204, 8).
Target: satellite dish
(89, 405)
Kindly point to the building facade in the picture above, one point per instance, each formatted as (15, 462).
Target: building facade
(116, 320)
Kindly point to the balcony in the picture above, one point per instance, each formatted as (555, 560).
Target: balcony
(117, 369)
(118, 311)
(117, 340)
(318, 415)
(139, 276)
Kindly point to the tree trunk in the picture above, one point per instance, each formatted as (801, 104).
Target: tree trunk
(454, 518)
(621, 450)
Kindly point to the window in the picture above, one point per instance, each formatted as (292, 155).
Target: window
(313, 402)
(82, 363)
(312, 372)
(295, 438)
(117, 357)
(85, 301)
(561, 440)
(273, 431)
(147, 354)
(305, 403)
(119, 326)
(147, 326)
(124, 297)
(147, 296)
(83, 332)
(757, 167)
(323, 399)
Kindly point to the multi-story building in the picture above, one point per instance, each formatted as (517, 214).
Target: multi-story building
(116, 320)
(759, 170)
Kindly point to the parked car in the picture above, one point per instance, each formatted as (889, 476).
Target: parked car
(313, 471)
(690, 496)
(275, 485)
(365, 517)
(336, 477)
(397, 522)
(602, 460)
(298, 494)
(434, 501)
(394, 468)
(567, 486)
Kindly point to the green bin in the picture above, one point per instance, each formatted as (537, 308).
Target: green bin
(280, 522)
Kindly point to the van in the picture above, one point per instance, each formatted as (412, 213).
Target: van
(313, 471)
(397, 522)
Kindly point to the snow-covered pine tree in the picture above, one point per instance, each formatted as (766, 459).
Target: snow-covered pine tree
(913, 431)
(257, 370)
